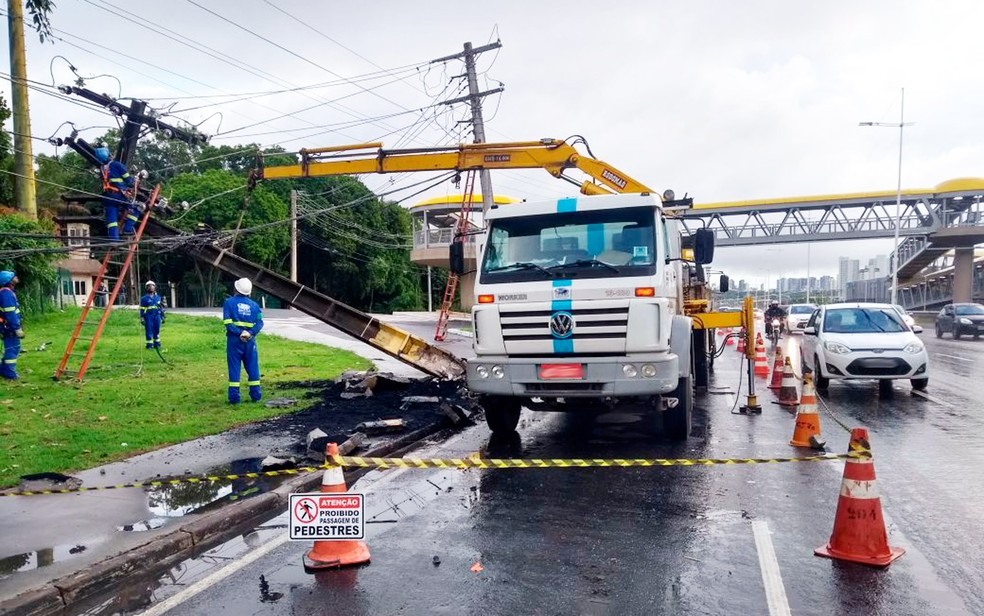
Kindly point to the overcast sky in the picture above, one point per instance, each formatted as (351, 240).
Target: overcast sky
(721, 100)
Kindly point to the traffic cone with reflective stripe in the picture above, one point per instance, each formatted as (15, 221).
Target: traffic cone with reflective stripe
(342, 553)
(787, 390)
(777, 370)
(761, 362)
(741, 340)
(807, 430)
(859, 527)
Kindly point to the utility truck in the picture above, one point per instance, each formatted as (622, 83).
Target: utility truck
(585, 301)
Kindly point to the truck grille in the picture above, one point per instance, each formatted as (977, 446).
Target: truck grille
(597, 329)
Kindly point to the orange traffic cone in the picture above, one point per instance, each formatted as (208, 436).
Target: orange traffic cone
(787, 390)
(859, 528)
(741, 340)
(807, 430)
(729, 340)
(777, 370)
(331, 554)
(761, 362)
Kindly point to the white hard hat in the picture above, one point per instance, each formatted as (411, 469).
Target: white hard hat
(244, 286)
(150, 283)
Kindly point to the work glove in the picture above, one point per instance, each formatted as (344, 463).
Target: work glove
(245, 336)
(19, 333)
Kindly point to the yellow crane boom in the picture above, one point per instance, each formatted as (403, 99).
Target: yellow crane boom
(553, 155)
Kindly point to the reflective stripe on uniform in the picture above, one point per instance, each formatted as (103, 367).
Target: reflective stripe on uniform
(9, 308)
(253, 383)
(231, 384)
(113, 224)
(243, 324)
(132, 217)
(227, 321)
(10, 361)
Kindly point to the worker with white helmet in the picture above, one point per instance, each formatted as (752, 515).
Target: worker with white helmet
(243, 320)
(152, 315)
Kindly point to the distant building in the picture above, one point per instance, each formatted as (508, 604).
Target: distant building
(850, 271)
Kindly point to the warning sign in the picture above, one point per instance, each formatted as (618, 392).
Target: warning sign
(327, 517)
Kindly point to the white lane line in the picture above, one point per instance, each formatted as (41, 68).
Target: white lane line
(956, 357)
(238, 565)
(775, 592)
(932, 399)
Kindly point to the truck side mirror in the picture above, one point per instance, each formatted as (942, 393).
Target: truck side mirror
(456, 257)
(703, 246)
(725, 284)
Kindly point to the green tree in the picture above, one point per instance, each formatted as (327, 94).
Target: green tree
(6, 157)
(24, 248)
(40, 11)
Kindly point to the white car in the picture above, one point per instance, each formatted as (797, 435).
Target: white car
(797, 316)
(863, 341)
(907, 319)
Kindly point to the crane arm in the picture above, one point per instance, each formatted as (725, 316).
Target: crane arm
(553, 155)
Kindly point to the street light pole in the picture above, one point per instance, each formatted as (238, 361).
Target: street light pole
(898, 194)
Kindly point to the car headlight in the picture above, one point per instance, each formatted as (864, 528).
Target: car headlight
(913, 347)
(482, 371)
(836, 347)
(965, 322)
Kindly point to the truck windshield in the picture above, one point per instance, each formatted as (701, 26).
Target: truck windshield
(587, 244)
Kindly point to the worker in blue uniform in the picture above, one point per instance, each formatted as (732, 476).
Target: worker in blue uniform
(152, 315)
(117, 193)
(243, 320)
(10, 324)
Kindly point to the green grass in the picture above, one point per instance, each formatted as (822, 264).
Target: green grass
(131, 402)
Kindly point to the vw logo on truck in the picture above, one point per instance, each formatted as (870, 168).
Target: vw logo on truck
(562, 325)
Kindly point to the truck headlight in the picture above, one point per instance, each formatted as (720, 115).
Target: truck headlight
(482, 371)
(836, 347)
(630, 371)
(913, 347)
(648, 371)
(498, 372)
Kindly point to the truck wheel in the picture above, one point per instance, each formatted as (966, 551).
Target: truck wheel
(676, 421)
(501, 413)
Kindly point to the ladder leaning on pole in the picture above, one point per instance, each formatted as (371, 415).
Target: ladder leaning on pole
(115, 265)
(464, 220)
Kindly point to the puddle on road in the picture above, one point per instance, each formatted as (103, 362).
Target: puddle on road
(44, 557)
(142, 525)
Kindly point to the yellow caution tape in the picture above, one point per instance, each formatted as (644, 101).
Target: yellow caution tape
(502, 463)
(456, 463)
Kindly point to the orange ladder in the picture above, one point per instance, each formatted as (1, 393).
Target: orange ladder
(464, 220)
(67, 368)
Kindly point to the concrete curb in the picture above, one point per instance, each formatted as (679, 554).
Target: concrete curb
(186, 541)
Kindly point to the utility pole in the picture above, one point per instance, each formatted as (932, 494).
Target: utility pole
(293, 236)
(27, 199)
(475, 99)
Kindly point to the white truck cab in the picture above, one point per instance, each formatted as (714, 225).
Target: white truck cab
(577, 299)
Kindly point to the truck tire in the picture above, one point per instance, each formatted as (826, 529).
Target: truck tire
(501, 413)
(676, 421)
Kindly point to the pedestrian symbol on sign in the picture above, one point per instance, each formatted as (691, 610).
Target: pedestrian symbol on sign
(306, 509)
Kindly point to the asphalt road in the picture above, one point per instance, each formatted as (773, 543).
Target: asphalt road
(681, 540)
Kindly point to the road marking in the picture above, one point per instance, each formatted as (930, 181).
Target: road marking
(238, 565)
(956, 357)
(932, 399)
(775, 592)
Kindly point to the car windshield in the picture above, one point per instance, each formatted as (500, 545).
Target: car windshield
(862, 321)
(586, 244)
(969, 309)
(801, 309)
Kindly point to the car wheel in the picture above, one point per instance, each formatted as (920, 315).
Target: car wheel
(939, 331)
(956, 334)
(677, 421)
(501, 413)
(819, 379)
(919, 384)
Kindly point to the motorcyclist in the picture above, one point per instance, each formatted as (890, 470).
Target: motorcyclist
(774, 312)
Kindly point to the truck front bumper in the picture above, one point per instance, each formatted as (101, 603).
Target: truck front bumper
(603, 377)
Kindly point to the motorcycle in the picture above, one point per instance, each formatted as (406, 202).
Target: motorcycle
(774, 330)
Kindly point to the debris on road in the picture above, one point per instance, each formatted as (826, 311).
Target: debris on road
(382, 426)
(409, 401)
(280, 403)
(273, 463)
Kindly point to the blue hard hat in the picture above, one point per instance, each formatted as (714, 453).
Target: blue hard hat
(102, 154)
(6, 276)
